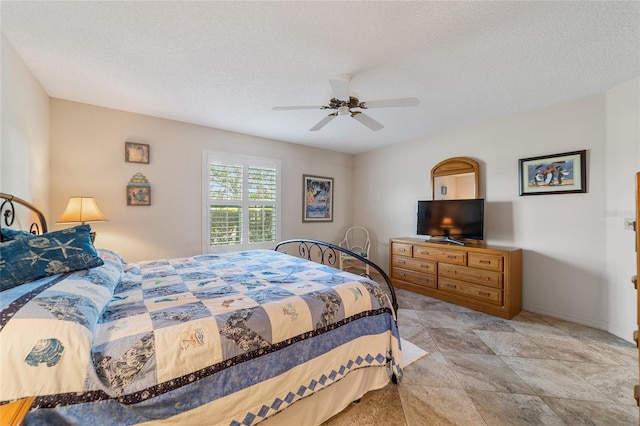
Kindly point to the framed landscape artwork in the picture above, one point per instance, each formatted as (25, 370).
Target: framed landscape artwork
(554, 174)
(317, 199)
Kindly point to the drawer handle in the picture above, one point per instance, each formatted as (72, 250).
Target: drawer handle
(484, 293)
(402, 249)
(402, 262)
(486, 262)
(450, 286)
(401, 274)
(451, 256)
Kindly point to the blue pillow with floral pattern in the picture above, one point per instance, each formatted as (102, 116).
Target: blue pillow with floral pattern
(33, 257)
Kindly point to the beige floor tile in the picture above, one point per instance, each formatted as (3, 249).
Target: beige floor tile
(512, 344)
(440, 319)
(486, 373)
(615, 381)
(620, 352)
(406, 317)
(456, 340)
(432, 370)
(567, 348)
(553, 378)
(593, 413)
(482, 321)
(426, 406)
(380, 407)
(587, 333)
(459, 309)
(430, 305)
(509, 409)
(528, 322)
(419, 336)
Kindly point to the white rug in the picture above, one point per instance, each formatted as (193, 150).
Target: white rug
(410, 352)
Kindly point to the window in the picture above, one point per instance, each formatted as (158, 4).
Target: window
(241, 202)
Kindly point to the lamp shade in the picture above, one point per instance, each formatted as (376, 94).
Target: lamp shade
(81, 209)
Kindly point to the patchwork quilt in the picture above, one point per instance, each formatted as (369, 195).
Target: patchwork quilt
(242, 334)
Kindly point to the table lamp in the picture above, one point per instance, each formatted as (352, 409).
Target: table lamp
(82, 209)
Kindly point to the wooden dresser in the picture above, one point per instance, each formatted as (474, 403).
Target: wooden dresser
(484, 278)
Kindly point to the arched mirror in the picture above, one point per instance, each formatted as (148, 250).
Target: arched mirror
(455, 178)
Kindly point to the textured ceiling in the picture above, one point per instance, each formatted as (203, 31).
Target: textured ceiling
(226, 64)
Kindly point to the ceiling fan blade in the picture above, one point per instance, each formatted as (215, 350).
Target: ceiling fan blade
(323, 122)
(389, 103)
(367, 121)
(340, 87)
(285, 108)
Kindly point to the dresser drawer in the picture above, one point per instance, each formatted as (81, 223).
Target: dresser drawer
(477, 276)
(492, 262)
(487, 294)
(426, 266)
(450, 256)
(401, 249)
(425, 280)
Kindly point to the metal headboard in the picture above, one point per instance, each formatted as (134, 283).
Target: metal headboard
(9, 213)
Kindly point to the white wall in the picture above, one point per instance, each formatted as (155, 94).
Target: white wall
(87, 158)
(24, 142)
(577, 260)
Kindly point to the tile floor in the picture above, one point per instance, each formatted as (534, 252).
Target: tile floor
(483, 370)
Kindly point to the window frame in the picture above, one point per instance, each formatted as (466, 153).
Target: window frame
(246, 161)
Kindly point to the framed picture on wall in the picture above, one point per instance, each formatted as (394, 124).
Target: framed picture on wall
(317, 196)
(138, 195)
(136, 152)
(554, 174)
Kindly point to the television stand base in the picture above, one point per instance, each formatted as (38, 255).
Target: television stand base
(446, 240)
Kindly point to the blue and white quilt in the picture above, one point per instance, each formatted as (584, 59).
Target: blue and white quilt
(238, 336)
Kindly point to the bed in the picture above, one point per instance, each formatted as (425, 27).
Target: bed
(273, 336)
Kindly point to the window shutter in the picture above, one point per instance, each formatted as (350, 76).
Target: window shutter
(242, 202)
(225, 194)
(262, 192)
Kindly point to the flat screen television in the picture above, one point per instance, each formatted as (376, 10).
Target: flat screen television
(451, 220)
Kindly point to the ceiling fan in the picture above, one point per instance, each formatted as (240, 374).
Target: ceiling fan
(345, 103)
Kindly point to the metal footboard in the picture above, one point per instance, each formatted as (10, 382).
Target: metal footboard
(329, 254)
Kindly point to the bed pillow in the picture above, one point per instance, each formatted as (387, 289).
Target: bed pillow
(36, 256)
(9, 234)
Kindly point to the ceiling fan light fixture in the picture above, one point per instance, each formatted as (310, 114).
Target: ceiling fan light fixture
(344, 110)
(346, 103)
